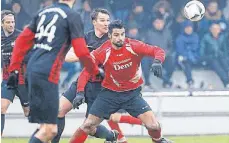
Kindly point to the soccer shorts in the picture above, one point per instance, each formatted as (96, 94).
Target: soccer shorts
(109, 102)
(92, 90)
(43, 98)
(21, 92)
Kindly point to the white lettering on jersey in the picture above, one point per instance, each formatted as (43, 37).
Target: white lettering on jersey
(43, 46)
(60, 11)
(123, 66)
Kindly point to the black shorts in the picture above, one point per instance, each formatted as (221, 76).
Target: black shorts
(43, 98)
(92, 90)
(21, 92)
(109, 102)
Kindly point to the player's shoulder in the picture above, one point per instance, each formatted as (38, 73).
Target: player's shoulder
(106, 46)
(90, 33)
(134, 42)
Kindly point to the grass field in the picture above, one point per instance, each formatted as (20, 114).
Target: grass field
(195, 139)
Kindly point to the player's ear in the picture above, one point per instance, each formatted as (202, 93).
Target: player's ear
(93, 22)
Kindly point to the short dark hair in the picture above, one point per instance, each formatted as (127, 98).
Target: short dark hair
(115, 24)
(95, 13)
(4, 13)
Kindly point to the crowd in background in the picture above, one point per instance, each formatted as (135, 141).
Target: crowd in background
(188, 45)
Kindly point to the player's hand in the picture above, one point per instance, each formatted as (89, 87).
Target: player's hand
(12, 82)
(157, 68)
(79, 99)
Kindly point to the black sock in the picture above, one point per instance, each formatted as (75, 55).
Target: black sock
(103, 133)
(61, 125)
(2, 122)
(33, 139)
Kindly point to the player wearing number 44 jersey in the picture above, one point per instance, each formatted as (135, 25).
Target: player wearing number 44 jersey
(121, 59)
(51, 32)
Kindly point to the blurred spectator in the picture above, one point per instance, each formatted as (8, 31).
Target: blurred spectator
(133, 31)
(98, 3)
(226, 11)
(187, 47)
(121, 9)
(31, 6)
(85, 14)
(213, 14)
(6, 4)
(214, 51)
(160, 36)
(46, 3)
(162, 8)
(139, 16)
(22, 17)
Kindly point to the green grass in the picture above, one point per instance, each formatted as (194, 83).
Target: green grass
(189, 139)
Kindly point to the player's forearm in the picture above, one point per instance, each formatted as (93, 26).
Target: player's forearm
(71, 56)
(22, 45)
(82, 80)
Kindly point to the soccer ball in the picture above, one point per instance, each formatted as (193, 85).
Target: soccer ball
(194, 10)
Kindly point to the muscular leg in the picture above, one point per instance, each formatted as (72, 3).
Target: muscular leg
(151, 124)
(5, 103)
(64, 107)
(88, 128)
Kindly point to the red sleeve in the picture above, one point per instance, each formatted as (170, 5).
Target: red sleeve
(85, 75)
(82, 80)
(82, 52)
(148, 50)
(22, 45)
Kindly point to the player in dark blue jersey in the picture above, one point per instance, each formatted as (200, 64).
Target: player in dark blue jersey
(51, 32)
(8, 37)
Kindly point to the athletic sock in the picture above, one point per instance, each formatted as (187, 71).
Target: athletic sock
(79, 136)
(61, 125)
(115, 126)
(2, 122)
(130, 120)
(103, 133)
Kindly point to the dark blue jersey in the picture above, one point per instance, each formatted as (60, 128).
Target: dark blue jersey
(7, 45)
(54, 28)
(93, 42)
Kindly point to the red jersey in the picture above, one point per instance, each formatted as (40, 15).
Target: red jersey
(123, 66)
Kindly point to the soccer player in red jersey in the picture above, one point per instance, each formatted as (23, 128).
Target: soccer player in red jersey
(94, 39)
(120, 58)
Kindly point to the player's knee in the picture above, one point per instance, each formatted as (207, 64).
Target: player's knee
(153, 126)
(4, 106)
(64, 107)
(50, 131)
(115, 118)
(89, 126)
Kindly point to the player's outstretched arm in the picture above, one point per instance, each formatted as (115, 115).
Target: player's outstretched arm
(149, 50)
(71, 56)
(23, 44)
